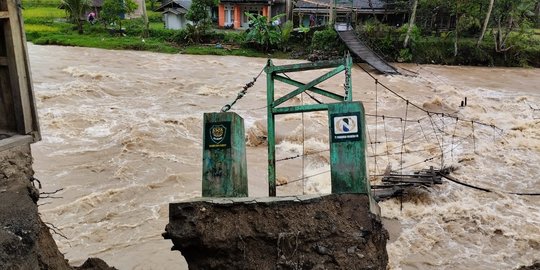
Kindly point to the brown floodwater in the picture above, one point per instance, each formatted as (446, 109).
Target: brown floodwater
(122, 139)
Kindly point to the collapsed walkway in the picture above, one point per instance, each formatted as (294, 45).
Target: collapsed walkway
(360, 49)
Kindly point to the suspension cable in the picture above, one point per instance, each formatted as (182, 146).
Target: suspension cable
(243, 92)
(419, 107)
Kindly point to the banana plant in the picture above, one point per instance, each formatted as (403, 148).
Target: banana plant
(263, 33)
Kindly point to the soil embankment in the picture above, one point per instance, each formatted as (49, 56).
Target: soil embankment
(25, 241)
(335, 231)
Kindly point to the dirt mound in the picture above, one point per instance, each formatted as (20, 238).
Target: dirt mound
(335, 231)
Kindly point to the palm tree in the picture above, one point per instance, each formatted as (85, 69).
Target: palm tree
(76, 9)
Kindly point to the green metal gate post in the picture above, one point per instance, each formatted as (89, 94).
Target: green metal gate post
(348, 148)
(278, 73)
(271, 130)
(224, 156)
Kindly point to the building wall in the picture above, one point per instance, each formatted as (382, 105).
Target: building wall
(221, 15)
(238, 19)
(173, 21)
(226, 15)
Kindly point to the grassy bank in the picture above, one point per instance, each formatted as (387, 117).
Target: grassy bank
(46, 24)
(435, 50)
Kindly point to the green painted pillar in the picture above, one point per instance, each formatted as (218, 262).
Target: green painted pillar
(224, 156)
(271, 129)
(348, 148)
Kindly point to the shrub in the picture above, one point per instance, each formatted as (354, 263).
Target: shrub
(234, 37)
(326, 39)
(286, 30)
(154, 16)
(262, 34)
(165, 34)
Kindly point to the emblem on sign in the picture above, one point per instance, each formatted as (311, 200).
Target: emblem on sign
(345, 124)
(217, 133)
(345, 127)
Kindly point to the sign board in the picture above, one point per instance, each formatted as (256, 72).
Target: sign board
(217, 135)
(348, 168)
(346, 127)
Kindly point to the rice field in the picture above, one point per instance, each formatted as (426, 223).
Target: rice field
(43, 12)
(40, 28)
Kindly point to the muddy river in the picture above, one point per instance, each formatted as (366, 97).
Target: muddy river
(122, 139)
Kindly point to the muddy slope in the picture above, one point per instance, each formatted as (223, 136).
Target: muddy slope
(335, 231)
(25, 241)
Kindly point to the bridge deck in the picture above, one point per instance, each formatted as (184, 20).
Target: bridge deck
(360, 49)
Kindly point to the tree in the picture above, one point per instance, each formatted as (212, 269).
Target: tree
(263, 33)
(145, 19)
(153, 4)
(114, 11)
(537, 14)
(411, 23)
(456, 31)
(76, 11)
(486, 22)
(198, 12)
(511, 16)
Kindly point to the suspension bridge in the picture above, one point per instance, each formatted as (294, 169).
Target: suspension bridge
(408, 145)
(360, 49)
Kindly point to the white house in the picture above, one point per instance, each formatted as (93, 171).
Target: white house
(174, 13)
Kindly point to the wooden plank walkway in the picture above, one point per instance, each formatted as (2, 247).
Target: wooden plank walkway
(360, 49)
(395, 185)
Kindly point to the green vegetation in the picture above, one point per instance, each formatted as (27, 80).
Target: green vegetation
(263, 34)
(76, 9)
(326, 40)
(46, 24)
(107, 42)
(114, 11)
(44, 12)
(458, 32)
(214, 50)
(440, 48)
(198, 13)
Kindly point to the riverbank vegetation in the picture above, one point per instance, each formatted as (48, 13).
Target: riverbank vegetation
(456, 32)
